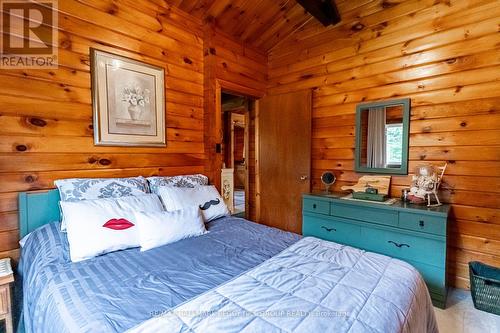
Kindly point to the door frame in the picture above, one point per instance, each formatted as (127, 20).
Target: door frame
(237, 89)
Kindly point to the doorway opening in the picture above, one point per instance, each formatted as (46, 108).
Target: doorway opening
(236, 152)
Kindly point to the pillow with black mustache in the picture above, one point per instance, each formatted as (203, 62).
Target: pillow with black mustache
(206, 198)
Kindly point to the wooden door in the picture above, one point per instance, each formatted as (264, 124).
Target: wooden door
(284, 158)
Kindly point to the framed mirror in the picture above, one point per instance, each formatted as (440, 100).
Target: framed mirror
(382, 130)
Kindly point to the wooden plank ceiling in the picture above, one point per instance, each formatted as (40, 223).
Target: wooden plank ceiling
(257, 23)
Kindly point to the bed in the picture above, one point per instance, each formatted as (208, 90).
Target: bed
(144, 292)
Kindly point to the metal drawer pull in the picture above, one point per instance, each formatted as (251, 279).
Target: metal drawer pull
(421, 223)
(398, 245)
(314, 206)
(328, 229)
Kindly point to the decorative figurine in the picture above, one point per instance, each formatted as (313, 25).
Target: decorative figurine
(425, 183)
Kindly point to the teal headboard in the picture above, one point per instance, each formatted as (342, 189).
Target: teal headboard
(36, 209)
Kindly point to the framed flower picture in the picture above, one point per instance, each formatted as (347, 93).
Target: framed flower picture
(128, 99)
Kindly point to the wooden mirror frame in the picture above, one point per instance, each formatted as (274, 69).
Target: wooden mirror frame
(403, 170)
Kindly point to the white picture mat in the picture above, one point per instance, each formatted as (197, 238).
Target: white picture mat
(106, 86)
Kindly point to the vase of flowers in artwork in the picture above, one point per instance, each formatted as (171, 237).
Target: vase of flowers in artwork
(136, 98)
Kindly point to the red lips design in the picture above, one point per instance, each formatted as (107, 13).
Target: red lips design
(118, 224)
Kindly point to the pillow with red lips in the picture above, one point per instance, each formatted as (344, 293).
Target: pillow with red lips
(78, 189)
(96, 227)
(118, 224)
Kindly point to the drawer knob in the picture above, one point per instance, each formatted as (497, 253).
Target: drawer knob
(421, 223)
(398, 244)
(328, 229)
(314, 206)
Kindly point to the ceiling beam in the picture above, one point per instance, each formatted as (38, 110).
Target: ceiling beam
(324, 11)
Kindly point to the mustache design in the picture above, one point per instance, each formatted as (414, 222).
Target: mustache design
(210, 203)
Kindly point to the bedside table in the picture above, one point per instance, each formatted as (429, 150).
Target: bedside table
(5, 301)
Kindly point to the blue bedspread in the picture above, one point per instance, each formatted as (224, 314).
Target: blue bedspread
(119, 290)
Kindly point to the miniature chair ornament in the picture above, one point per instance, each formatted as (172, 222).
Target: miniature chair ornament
(425, 183)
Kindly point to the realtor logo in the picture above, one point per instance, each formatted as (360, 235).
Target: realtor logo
(29, 34)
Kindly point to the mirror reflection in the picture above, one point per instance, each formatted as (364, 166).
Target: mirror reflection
(382, 137)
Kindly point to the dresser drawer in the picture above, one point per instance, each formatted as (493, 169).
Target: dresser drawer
(4, 299)
(403, 246)
(434, 277)
(424, 223)
(336, 231)
(363, 213)
(316, 206)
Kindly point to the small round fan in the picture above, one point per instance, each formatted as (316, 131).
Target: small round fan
(328, 179)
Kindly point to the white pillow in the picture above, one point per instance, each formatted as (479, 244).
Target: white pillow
(160, 228)
(23, 240)
(144, 202)
(207, 198)
(100, 226)
(77, 189)
(147, 203)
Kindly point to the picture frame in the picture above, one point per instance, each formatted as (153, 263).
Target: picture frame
(128, 101)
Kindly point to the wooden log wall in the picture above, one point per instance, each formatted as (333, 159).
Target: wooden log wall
(46, 115)
(445, 56)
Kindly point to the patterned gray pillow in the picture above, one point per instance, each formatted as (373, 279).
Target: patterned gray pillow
(76, 189)
(177, 181)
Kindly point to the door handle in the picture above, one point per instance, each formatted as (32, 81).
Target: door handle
(304, 177)
(398, 245)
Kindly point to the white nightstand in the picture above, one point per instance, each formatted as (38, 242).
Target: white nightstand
(6, 296)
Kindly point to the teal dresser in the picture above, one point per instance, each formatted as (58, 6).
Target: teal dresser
(415, 234)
